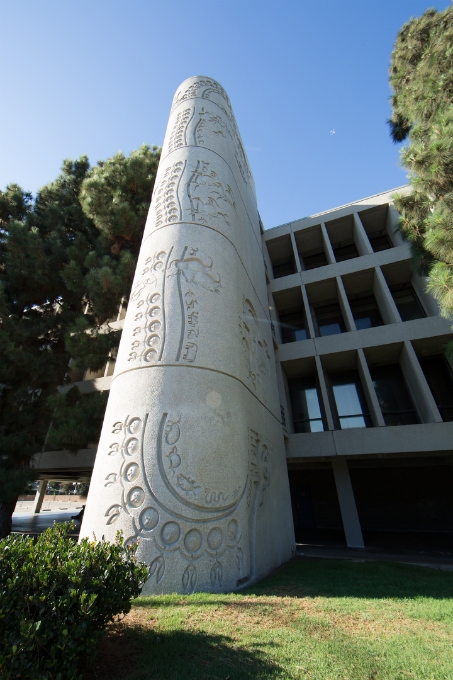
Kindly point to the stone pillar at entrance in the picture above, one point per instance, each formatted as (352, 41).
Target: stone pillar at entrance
(191, 461)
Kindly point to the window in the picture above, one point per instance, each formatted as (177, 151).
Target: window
(283, 268)
(305, 404)
(329, 318)
(365, 311)
(393, 396)
(313, 259)
(407, 302)
(440, 380)
(310, 246)
(380, 242)
(292, 326)
(349, 400)
(345, 250)
(281, 255)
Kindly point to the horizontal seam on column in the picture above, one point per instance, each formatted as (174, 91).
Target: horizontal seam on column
(192, 146)
(200, 368)
(206, 226)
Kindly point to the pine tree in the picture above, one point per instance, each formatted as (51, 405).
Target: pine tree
(421, 76)
(66, 261)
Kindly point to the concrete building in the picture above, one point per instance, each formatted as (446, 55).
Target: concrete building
(357, 377)
(365, 388)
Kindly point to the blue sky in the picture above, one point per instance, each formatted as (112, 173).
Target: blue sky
(98, 76)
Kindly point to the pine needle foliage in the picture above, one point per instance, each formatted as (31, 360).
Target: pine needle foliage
(67, 259)
(421, 76)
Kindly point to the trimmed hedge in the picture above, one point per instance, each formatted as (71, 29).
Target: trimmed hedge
(56, 597)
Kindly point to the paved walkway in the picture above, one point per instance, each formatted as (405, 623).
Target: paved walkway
(422, 559)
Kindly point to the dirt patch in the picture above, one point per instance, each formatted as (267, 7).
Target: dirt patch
(309, 613)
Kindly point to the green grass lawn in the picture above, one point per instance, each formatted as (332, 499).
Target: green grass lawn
(314, 619)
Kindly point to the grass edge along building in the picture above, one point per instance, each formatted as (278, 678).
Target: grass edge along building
(338, 367)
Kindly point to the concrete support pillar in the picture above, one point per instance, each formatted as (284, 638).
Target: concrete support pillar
(344, 304)
(327, 245)
(295, 253)
(386, 303)
(349, 514)
(418, 386)
(391, 227)
(191, 460)
(307, 312)
(267, 261)
(39, 498)
(370, 394)
(324, 394)
(360, 237)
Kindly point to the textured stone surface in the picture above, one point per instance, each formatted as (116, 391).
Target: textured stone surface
(191, 460)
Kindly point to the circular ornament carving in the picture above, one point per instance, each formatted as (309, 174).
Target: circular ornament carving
(149, 519)
(215, 538)
(132, 446)
(193, 540)
(134, 425)
(153, 340)
(170, 533)
(131, 472)
(136, 497)
(150, 355)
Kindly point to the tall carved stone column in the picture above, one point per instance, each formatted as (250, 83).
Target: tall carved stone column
(191, 461)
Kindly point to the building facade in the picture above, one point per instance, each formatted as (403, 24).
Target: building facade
(364, 384)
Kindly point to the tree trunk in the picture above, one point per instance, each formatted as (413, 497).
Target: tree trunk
(6, 517)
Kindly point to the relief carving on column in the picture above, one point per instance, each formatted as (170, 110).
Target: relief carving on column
(194, 272)
(204, 88)
(256, 353)
(210, 199)
(224, 533)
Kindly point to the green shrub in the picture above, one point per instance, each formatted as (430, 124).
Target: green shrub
(56, 597)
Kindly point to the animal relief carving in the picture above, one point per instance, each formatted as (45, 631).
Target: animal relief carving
(211, 201)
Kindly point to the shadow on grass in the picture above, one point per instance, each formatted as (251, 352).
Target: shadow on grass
(338, 578)
(142, 654)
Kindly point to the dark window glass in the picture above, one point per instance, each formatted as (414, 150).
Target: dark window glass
(393, 396)
(349, 400)
(380, 242)
(305, 405)
(440, 380)
(345, 250)
(314, 259)
(329, 318)
(283, 268)
(365, 312)
(292, 326)
(407, 302)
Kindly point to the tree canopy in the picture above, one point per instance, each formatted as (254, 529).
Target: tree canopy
(421, 76)
(67, 259)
